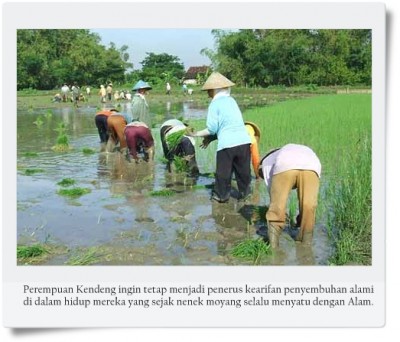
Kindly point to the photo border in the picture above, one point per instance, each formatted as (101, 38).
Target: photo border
(180, 15)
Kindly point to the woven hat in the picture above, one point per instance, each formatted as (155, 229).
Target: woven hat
(257, 131)
(217, 81)
(141, 85)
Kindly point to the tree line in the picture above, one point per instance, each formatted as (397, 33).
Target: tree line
(47, 58)
(293, 57)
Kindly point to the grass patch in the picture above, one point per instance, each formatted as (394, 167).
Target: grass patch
(350, 220)
(86, 150)
(26, 252)
(251, 250)
(74, 192)
(30, 154)
(89, 257)
(29, 172)
(66, 182)
(163, 192)
(339, 130)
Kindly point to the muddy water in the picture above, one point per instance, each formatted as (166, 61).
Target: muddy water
(119, 219)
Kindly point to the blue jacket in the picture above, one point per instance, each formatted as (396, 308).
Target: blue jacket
(225, 119)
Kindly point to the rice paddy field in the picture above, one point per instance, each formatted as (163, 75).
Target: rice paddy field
(77, 206)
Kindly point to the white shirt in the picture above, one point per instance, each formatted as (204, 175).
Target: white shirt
(290, 157)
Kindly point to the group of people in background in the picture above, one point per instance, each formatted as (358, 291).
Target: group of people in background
(292, 166)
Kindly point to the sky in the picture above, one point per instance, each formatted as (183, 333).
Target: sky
(185, 44)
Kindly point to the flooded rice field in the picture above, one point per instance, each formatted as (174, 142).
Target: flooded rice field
(118, 220)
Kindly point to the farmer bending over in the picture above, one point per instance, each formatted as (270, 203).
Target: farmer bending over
(139, 140)
(182, 147)
(291, 167)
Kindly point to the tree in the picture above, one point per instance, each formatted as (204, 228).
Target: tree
(293, 57)
(48, 58)
(157, 68)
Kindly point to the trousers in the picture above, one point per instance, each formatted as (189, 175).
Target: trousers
(307, 184)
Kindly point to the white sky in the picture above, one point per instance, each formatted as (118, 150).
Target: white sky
(185, 44)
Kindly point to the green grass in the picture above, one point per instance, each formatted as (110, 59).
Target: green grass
(86, 150)
(163, 192)
(338, 128)
(66, 182)
(251, 249)
(74, 192)
(87, 258)
(350, 222)
(25, 252)
(30, 154)
(29, 172)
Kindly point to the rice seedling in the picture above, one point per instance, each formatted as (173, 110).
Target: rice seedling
(31, 154)
(87, 258)
(338, 128)
(86, 150)
(174, 139)
(62, 143)
(251, 249)
(180, 164)
(163, 192)
(48, 114)
(74, 192)
(350, 220)
(29, 172)
(38, 122)
(24, 252)
(65, 182)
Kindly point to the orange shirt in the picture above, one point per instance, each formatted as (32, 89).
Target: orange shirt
(255, 155)
(104, 112)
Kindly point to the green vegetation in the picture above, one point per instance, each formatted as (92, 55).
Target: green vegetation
(180, 164)
(31, 154)
(275, 58)
(251, 249)
(72, 55)
(62, 143)
(287, 57)
(25, 252)
(29, 172)
(163, 192)
(65, 182)
(350, 221)
(86, 150)
(338, 129)
(38, 122)
(89, 257)
(74, 192)
(174, 139)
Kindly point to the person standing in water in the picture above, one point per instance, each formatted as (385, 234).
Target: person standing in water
(140, 108)
(225, 120)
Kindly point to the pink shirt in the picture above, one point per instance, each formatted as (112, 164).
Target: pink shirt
(290, 157)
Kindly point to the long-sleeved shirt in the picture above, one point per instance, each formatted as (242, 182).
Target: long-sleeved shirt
(225, 119)
(290, 157)
(140, 109)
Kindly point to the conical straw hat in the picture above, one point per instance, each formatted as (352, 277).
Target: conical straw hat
(217, 81)
(141, 85)
(257, 131)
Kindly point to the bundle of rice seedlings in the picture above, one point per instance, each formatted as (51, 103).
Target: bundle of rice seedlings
(175, 138)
